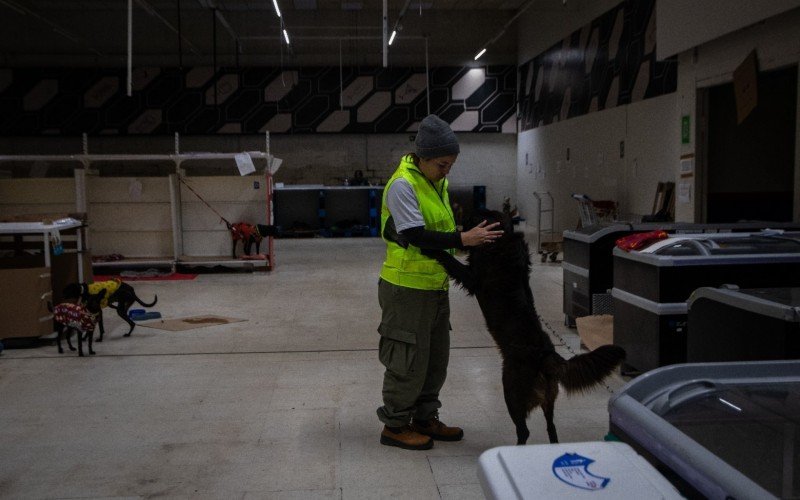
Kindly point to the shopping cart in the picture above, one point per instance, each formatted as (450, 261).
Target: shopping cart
(548, 240)
(593, 212)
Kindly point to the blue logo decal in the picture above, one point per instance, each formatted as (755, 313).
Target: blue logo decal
(573, 469)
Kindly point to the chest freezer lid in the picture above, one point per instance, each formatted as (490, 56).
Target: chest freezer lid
(571, 470)
(652, 408)
(780, 303)
(590, 234)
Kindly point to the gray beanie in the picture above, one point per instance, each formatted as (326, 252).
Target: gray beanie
(435, 138)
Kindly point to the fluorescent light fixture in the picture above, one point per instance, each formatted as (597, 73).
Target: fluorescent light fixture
(277, 10)
(391, 38)
(286, 36)
(480, 54)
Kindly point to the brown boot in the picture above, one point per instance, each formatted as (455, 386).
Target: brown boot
(434, 428)
(404, 437)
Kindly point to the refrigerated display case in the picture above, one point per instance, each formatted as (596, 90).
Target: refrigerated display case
(732, 324)
(588, 266)
(716, 430)
(652, 286)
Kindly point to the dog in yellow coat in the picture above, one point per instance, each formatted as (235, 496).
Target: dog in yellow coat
(119, 296)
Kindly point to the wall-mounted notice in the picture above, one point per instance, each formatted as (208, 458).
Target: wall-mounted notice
(687, 166)
(684, 192)
(245, 164)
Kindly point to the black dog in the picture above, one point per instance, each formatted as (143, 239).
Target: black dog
(72, 318)
(121, 298)
(498, 275)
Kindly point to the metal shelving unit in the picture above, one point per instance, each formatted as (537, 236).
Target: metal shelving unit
(180, 160)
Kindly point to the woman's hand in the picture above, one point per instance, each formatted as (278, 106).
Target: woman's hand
(480, 234)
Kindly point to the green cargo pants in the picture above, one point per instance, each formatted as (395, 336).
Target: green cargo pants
(415, 349)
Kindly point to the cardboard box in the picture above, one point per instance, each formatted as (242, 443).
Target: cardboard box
(596, 330)
(24, 294)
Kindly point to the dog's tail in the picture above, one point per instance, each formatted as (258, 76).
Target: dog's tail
(585, 371)
(145, 304)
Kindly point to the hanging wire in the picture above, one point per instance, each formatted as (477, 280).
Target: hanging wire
(180, 37)
(214, 31)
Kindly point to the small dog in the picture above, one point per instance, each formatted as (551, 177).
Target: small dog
(498, 275)
(116, 294)
(75, 318)
(249, 234)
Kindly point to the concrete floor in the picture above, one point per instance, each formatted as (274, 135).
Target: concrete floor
(279, 406)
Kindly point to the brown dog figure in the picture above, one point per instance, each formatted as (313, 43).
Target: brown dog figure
(76, 318)
(498, 275)
(249, 234)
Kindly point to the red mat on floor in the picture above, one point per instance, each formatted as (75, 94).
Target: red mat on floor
(168, 277)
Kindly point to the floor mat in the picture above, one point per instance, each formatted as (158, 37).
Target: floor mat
(182, 324)
(165, 277)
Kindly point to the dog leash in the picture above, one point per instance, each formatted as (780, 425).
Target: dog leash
(204, 201)
(552, 331)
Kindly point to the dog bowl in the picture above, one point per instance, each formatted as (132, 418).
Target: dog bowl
(146, 315)
(135, 312)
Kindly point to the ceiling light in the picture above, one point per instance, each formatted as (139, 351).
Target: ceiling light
(391, 38)
(480, 54)
(277, 10)
(286, 36)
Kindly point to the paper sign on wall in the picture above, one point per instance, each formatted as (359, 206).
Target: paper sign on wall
(244, 163)
(684, 192)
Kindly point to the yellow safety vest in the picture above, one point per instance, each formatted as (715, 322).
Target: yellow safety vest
(407, 267)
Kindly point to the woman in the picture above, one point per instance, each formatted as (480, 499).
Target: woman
(415, 323)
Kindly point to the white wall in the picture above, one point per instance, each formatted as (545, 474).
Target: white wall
(129, 216)
(594, 167)
(776, 43)
(36, 196)
(684, 24)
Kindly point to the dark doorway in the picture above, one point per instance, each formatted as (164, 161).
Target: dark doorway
(751, 165)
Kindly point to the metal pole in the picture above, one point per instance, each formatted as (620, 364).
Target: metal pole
(214, 30)
(385, 33)
(180, 38)
(427, 77)
(130, 47)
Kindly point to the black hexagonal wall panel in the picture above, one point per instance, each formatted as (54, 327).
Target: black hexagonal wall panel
(586, 87)
(57, 100)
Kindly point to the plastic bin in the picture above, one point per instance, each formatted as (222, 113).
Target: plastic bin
(599, 469)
